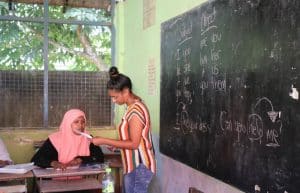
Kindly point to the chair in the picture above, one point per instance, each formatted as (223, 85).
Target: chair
(194, 190)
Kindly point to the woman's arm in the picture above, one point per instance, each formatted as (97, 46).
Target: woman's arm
(45, 155)
(135, 135)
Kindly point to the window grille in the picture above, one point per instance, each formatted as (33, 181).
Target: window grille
(21, 97)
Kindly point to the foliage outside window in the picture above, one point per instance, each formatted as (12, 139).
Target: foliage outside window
(76, 47)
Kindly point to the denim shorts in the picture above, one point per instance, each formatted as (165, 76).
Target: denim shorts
(138, 180)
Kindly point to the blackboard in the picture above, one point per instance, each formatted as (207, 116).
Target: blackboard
(229, 103)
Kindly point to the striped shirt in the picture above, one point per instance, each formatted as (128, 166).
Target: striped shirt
(145, 153)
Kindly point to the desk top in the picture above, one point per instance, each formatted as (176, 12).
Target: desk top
(81, 171)
(7, 176)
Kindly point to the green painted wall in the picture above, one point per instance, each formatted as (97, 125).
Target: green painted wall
(135, 48)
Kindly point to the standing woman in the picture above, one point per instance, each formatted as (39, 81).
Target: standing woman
(135, 135)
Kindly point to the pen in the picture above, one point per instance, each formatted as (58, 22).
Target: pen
(53, 169)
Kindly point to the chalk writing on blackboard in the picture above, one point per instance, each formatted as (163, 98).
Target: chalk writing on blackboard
(230, 81)
(185, 124)
(254, 127)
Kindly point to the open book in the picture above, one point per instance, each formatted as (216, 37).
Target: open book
(17, 168)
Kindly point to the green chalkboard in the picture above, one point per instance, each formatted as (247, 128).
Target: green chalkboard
(229, 104)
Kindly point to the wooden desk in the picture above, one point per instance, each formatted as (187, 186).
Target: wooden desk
(114, 160)
(20, 187)
(89, 180)
(8, 177)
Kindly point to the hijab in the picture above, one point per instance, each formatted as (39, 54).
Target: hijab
(68, 144)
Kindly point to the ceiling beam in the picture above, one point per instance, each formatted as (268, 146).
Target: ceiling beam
(98, 4)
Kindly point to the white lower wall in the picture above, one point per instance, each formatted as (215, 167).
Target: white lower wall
(174, 177)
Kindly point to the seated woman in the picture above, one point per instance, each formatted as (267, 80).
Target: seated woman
(67, 148)
(4, 155)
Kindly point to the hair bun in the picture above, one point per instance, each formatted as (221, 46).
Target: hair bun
(113, 72)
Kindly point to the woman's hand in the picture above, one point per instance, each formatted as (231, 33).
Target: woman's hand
(75, 162)
(58, 165)
(97, 140)
(4, 163)
(111, 148)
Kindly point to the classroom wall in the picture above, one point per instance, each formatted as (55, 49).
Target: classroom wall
(138, 56)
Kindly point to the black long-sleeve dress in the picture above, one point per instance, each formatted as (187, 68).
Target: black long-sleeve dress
(47, 153)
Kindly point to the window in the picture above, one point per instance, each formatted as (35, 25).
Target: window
(43, 73)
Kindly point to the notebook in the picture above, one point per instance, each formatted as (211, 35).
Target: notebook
(17, 168)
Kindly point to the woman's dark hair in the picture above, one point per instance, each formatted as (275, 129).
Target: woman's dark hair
(118, 81)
